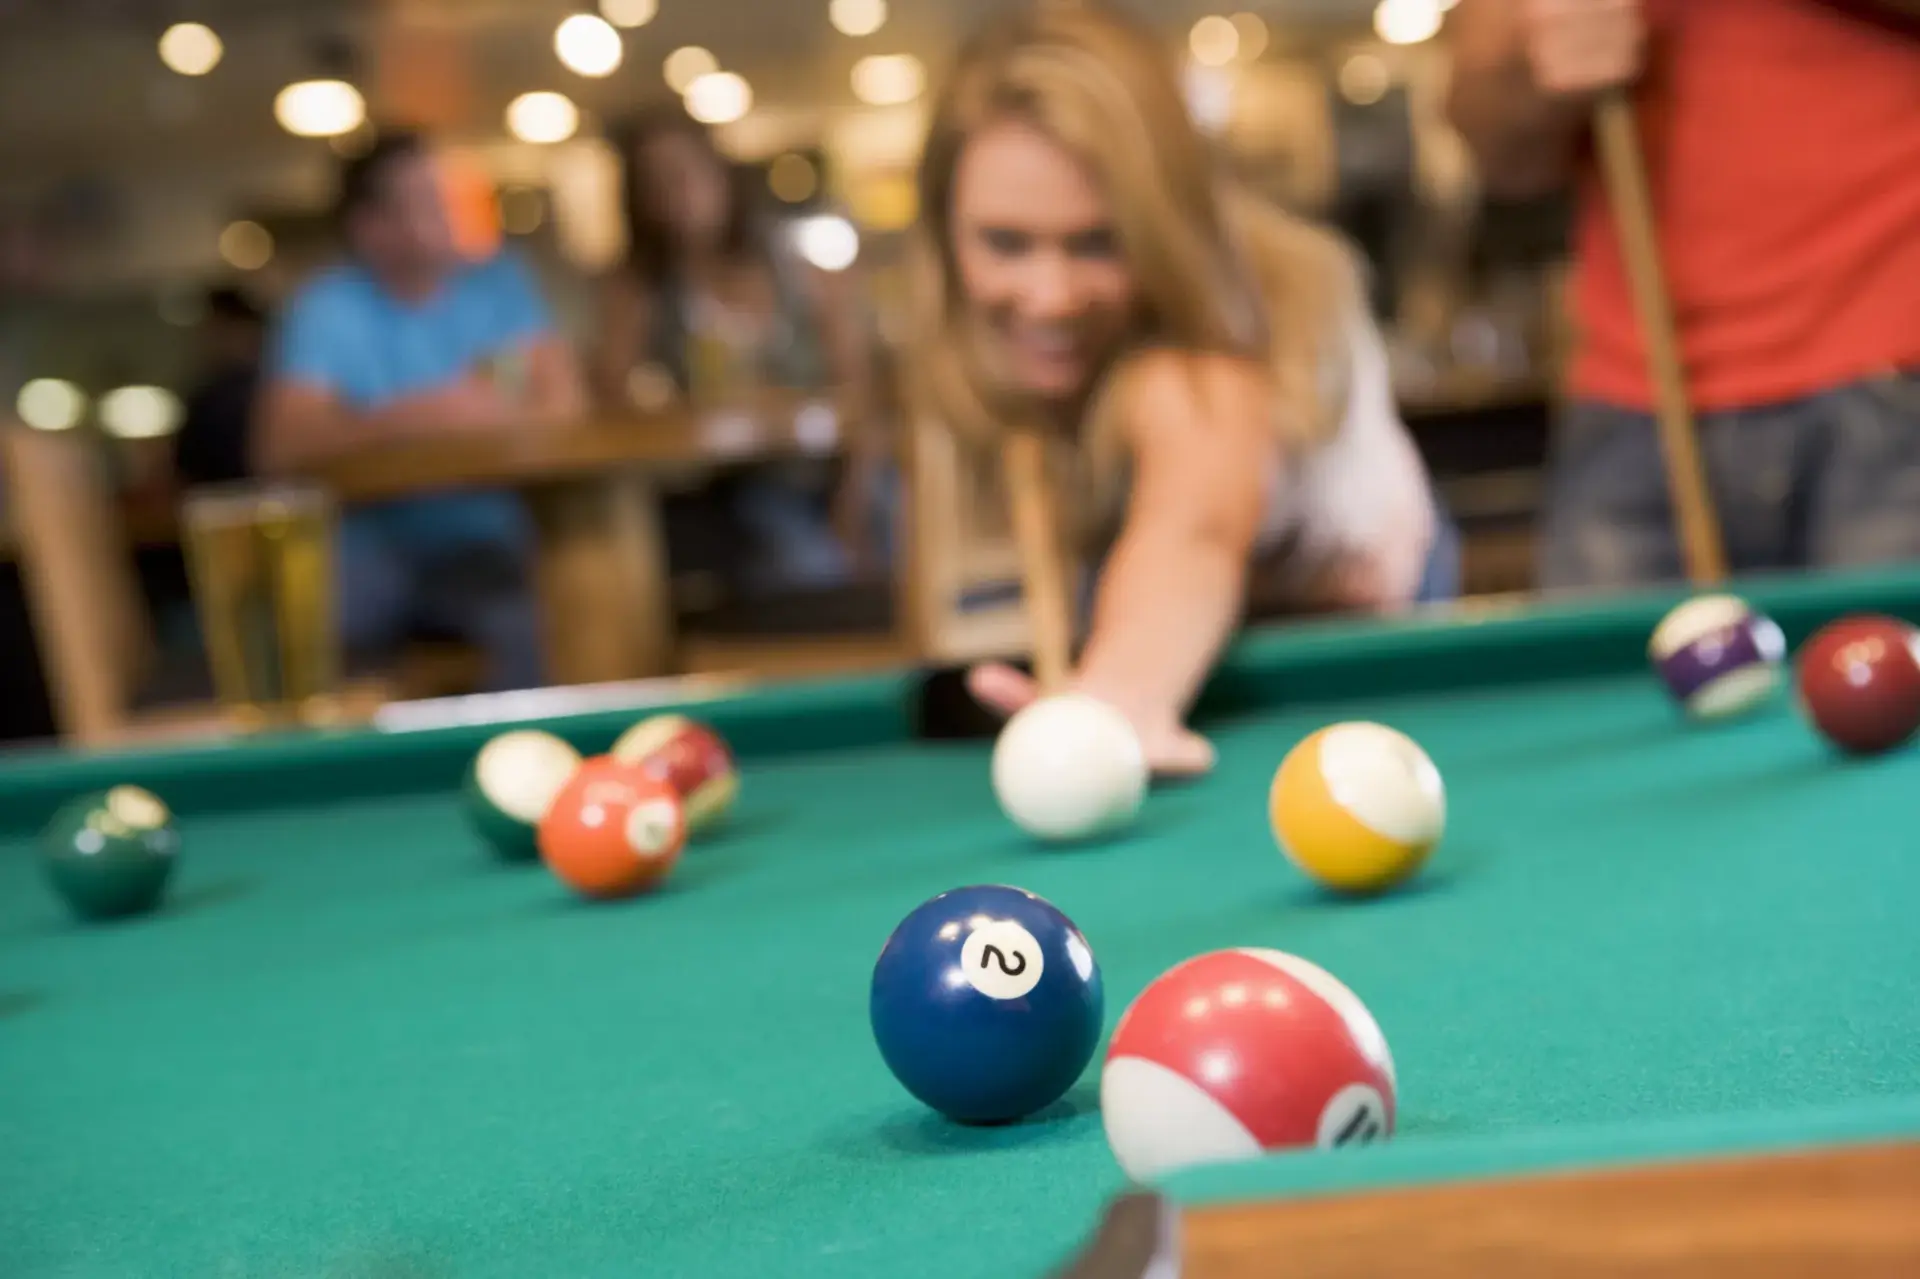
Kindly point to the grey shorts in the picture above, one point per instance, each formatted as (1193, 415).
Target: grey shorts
(1829, 481)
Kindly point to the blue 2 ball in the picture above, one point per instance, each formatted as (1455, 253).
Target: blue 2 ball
(986, 1004)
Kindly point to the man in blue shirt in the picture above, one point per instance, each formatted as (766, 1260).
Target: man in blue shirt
(406, 340)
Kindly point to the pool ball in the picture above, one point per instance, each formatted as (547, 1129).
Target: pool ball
(986, 1004)
(511, 784)
(1717, 656)
(1238, 1052)
(1357, 806)
(1859, 682)
(111, 854)
(689, 756)
(613, 830)
(1069, 767)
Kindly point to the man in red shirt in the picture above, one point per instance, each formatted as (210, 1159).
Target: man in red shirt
(1783, 147)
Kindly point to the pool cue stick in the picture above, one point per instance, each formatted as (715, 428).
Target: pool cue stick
(1624, 170)
(1036, 532)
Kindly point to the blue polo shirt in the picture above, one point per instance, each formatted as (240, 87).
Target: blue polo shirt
(345, 332)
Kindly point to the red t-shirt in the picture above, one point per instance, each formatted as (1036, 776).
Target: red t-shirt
(1783, 151)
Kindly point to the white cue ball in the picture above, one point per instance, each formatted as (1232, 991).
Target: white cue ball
(1069, 767)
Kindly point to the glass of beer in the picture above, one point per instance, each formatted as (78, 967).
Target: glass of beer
(260, 559)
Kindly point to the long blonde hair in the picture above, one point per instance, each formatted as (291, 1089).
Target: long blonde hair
(1219, 270)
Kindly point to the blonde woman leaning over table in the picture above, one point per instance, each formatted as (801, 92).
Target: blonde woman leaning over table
(1087, 272)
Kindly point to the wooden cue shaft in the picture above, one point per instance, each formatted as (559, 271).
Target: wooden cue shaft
(1624, 170)
(1036, 531)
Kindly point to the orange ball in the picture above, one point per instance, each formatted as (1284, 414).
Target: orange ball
(613, 831)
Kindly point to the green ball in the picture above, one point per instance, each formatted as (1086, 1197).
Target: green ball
(512, 782)
(111, 853)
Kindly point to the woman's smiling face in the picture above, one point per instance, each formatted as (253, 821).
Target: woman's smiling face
(1038, 260)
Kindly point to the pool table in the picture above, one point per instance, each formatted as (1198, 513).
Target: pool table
(1654, 1002)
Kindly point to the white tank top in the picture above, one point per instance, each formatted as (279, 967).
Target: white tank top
(1365, 490)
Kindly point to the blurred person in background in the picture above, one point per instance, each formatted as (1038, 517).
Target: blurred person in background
(1086, 271)
(214, 441)
(408, 339)
(711, 288)
(1783, 142)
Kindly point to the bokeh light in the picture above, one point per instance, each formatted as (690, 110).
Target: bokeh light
(828, 242)
(588, 45)
(685, 65)
(542, 117)
(719, 97)
(629, 13)
(857, 17)
(140, 412)
(1214, 41)
(1407, 21)
(190, 48)
(319, 108)
(888, 79)
(50, 404)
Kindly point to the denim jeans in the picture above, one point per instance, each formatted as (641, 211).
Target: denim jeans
(1440, 581)
(479, 591)
(1829, 481)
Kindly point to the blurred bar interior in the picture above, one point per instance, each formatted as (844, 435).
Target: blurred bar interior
(166, 178)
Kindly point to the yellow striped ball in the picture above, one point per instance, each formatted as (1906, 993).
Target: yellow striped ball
(1357, 806)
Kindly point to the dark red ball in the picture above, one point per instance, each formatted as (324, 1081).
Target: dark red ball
(1859, 682)
(690, 757)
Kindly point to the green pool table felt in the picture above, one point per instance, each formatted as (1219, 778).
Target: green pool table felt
(354, 1044)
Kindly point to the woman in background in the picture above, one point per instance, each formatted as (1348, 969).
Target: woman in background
(1085, 272)
(710, 291)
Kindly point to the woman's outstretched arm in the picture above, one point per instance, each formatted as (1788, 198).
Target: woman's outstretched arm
(1204, 459)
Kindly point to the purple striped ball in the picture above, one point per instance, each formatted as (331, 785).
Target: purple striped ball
(1718, 657)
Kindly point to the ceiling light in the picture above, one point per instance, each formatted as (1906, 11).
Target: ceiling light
(1407, 21)
(857, 17)
(719, 97)
(684, 66)
(588, 46)
(1364, 79)
(319, 108)
(890, 79)
(1214, 40)
(49, 404)
(1253, 35)
(140, 412)
(542, 117)
(828, 242)
(190, 48)
(629, 13)
(246, 246)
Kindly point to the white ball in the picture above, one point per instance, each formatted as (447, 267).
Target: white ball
(1069, 767)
